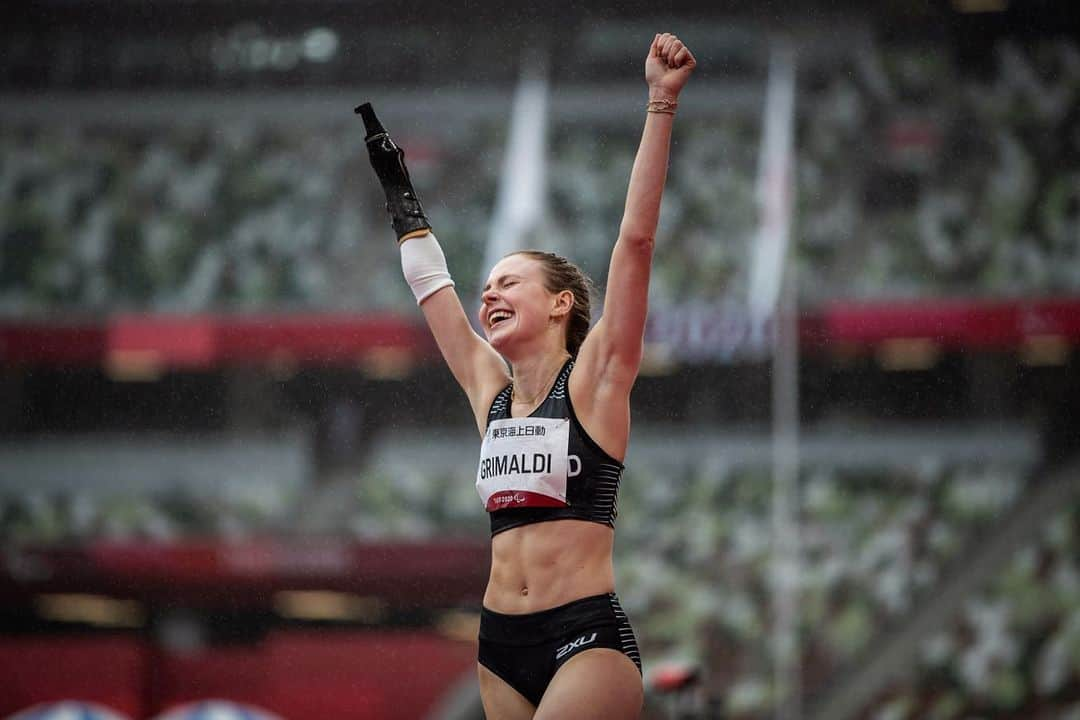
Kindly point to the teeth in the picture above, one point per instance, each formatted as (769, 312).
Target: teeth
(497, 316)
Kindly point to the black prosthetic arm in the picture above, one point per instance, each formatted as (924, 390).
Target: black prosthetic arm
(406, 214)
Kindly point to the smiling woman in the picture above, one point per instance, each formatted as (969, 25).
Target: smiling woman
(554, 641)
(560, 275)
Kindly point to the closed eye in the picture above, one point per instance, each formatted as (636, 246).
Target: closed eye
(504, 281)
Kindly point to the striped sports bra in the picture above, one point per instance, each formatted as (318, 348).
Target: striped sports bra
(544, 466)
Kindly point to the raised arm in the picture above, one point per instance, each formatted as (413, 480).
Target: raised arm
(478, 369)
(612, 350)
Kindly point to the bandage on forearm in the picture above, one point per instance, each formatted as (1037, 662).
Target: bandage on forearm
(424, 265)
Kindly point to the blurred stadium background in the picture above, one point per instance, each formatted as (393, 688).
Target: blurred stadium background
(233, 468)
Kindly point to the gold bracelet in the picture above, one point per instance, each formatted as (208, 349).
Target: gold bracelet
(662, 106)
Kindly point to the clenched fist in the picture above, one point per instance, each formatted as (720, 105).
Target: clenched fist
(668, 67)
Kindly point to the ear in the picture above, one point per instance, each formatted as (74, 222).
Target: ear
(562, 304)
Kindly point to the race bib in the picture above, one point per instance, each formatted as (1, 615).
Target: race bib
(523, 463)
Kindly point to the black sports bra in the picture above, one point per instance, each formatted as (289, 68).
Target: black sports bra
(545, 466)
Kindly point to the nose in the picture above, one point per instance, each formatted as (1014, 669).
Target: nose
(487, 299)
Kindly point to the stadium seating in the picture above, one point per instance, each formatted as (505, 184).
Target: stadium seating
(694, 549)
(913, 179)
(917, 177)
(213, 218)
(1014, 651)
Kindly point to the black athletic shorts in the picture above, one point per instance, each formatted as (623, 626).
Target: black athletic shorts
(526, 650)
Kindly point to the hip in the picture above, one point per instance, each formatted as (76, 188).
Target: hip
(527, 650)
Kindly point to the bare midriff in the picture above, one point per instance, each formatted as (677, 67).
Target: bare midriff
(544, 565)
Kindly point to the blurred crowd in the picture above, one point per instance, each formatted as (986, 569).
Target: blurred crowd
(1015, 648)
(873, 542)
(694, 561)
(919, 175)
(914, 178)
(235, 217)
(708, 217)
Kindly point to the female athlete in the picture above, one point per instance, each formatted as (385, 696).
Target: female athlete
(554, 642)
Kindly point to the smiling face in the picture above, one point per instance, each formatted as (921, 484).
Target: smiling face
(516, 306)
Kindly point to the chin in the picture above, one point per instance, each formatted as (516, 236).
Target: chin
(503, 344)
(498, 342)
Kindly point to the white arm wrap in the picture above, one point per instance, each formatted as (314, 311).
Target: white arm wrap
(424, 265)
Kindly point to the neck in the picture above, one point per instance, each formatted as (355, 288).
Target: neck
(534, 374)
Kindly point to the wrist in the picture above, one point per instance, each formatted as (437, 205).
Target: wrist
(666, 107)
(661, 94)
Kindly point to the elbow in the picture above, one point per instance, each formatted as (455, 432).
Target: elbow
(638, 241)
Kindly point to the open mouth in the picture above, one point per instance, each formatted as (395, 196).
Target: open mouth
(498, 316)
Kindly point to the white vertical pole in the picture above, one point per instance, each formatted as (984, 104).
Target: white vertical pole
(773, 294)
(520, 198)
(785, 501)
